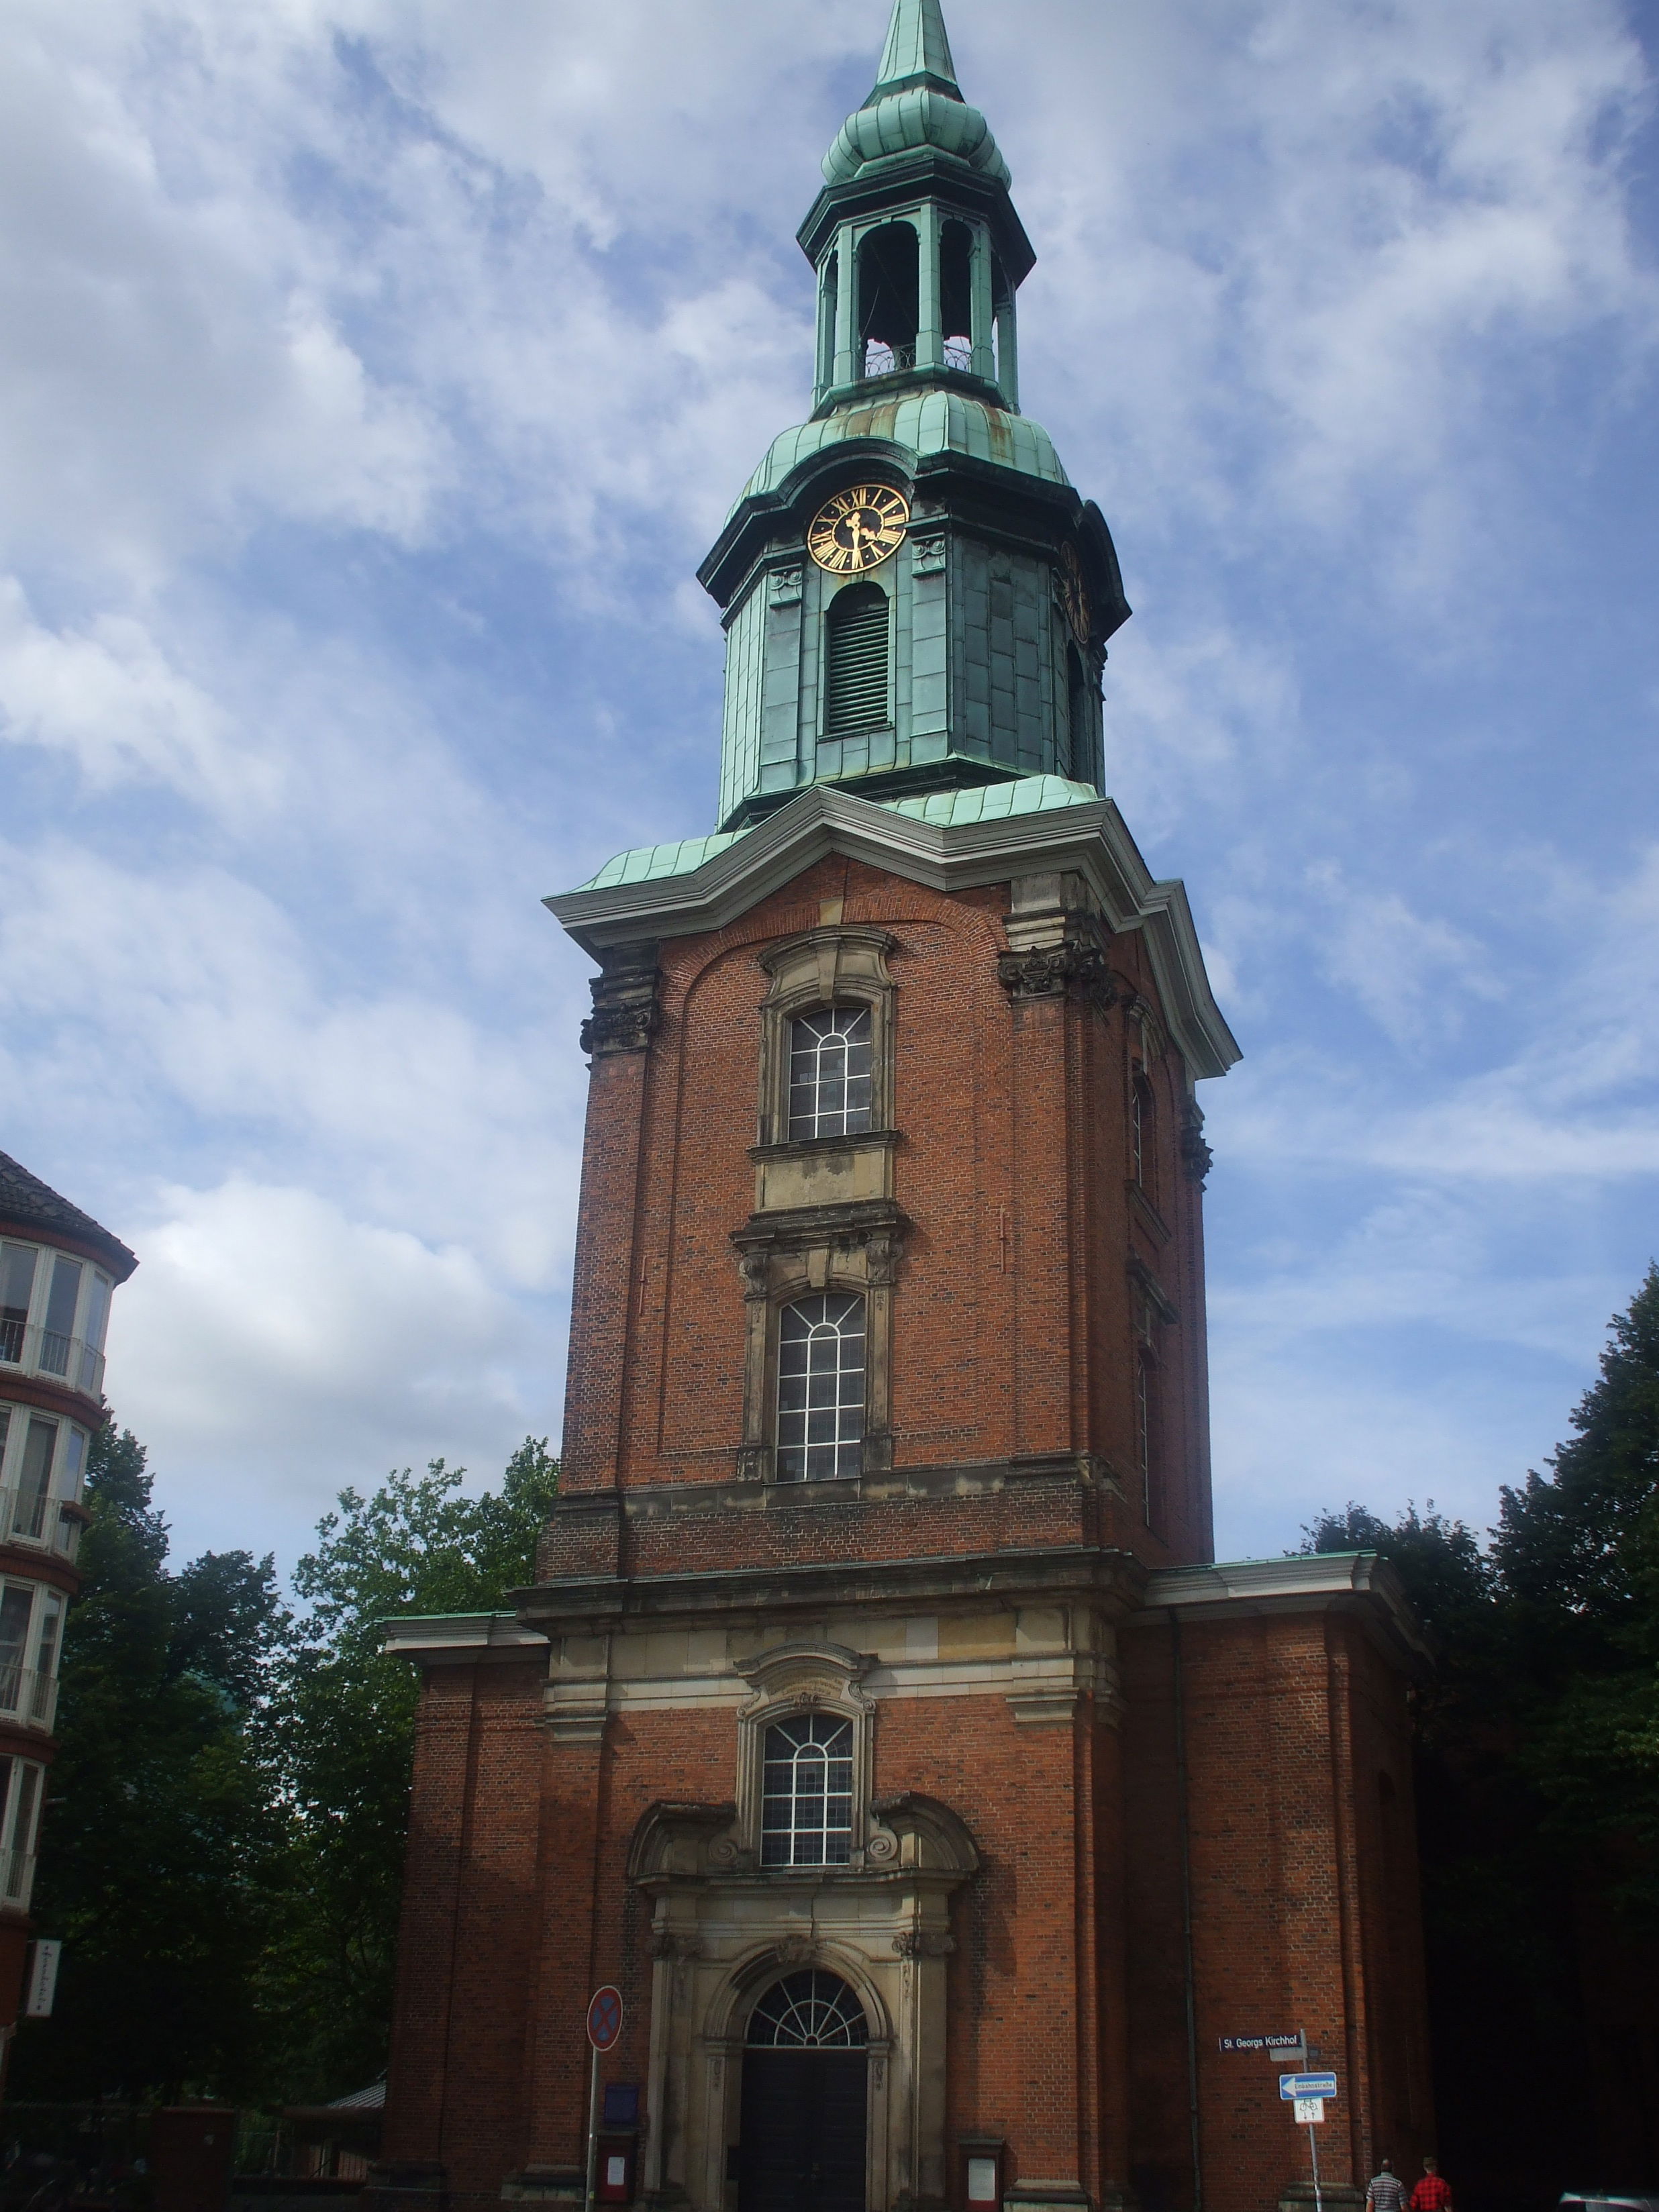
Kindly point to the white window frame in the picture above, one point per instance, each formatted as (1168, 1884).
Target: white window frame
(83, 1353)
(65, 1477)
(25, 1793)
(35, 1700)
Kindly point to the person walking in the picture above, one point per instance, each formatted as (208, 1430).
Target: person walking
(1433, 2193)
(1386, 2192)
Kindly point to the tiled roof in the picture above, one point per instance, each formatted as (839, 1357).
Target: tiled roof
(26, 1202)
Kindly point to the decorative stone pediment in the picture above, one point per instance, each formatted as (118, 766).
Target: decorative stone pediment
(919, 1833)
(675, 1842)
(806, 1675)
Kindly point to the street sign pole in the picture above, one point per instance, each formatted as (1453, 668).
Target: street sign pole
(593, 2128)
(604, 2019)
(1313, 2152)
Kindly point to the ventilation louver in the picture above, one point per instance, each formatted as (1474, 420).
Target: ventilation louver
(855, 680)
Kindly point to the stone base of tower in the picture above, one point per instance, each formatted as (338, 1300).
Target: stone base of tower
(1097, 1826)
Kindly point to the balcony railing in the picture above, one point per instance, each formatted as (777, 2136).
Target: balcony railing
(40, 1351)
(34, 1516)
(28, 1696)
(881, 360)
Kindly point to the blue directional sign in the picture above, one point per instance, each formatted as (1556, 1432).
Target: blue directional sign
(1306, 2084)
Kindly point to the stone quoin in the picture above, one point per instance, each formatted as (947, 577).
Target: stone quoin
(879, 1722)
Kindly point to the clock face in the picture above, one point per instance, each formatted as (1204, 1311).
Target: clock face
(1074, 594)
(857, 529)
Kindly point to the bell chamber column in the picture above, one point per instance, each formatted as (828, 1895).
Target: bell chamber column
(930, 322)
(845, 302)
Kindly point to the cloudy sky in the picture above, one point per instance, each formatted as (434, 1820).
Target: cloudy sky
(373, 374)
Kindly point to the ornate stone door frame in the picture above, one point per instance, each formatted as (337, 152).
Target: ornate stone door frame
(723, 1931)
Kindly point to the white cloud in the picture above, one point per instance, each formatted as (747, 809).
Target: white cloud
(108, 697)
(364, 363)
(1408, 970)
(197, 993)
(272, 1345)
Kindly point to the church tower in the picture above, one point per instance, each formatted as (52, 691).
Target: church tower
(879, 1724)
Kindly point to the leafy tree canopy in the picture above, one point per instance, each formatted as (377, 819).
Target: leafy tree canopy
(223, 1842)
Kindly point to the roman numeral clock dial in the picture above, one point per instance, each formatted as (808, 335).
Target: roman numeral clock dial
(857, 529)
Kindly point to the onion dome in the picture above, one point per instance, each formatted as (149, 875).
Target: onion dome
(915, 102)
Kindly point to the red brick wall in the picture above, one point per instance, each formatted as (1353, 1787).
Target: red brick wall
(1301, 1918)
(1013, 1330)
(1067, 2031)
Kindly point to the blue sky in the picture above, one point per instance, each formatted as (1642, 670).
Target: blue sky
(373, 374)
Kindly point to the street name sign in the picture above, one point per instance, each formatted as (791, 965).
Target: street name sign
(1306, 2084)
(1291, 2045)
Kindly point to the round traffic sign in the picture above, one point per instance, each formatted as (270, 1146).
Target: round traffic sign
(605, 2017)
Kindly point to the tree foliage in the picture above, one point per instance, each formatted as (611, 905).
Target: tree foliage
(342, 1720)
(163, 1836)
(223, 1838)
(1538, 1787)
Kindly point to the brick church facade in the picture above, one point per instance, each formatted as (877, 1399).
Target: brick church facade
(879, 1722)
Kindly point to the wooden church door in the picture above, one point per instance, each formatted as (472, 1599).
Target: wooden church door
(805, 2097)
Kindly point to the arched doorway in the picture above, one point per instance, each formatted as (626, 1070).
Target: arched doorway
(805, 2073)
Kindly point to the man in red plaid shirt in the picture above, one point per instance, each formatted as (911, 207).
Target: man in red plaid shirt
(1431, 2194)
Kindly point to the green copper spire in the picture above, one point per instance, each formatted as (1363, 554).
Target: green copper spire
(914, 104)
(964, 657)
(917, 53)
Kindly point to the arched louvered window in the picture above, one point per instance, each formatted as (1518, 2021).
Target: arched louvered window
(820, 1388)
(855, 662)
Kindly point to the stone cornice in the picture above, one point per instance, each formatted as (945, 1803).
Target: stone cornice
(1053, 1572)
(461, 1636)
(1306, 1582)
(1090, 838)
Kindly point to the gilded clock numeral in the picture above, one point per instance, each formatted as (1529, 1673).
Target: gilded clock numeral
(859, 528)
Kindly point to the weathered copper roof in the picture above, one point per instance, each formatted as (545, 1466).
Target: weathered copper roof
(981, 802)
(28, 1203)
(915, 101)
(930, 420)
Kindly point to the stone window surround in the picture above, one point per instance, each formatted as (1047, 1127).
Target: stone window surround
(802, 1254)
(790, 1680)
(826, 1219)
(840, 964)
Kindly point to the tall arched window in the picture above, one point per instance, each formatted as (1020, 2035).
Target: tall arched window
(806, 1792)
(829, 1073)
(820, 1431)
(956, 293)
(1141, 1132)
(1145, 1423)
(855, 662)
(888, 296)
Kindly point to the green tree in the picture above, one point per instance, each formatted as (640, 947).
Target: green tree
(1538, 1771)
(343, 1728)
(162, 1840)
(1577, 1559)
